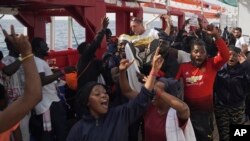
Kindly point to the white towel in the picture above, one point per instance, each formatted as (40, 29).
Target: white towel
(132, 78)
(174, 132)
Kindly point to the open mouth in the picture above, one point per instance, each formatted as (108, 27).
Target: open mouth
(198, 61)
(105, 104)
(231, 61)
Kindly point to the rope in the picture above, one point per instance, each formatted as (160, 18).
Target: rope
(73, 32)
(2, 16)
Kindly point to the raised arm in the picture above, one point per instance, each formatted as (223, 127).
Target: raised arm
(32, 90)
(156, 66)
(136, 107)
(181, 107)
(123, 80)
(223, 52)
(169, 24)
(124, 84)
(11, 68)
(98, 38)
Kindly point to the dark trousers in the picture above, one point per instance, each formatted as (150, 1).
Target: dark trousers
(225, 116)
(248, 105)
(59, 126)
(203, 125)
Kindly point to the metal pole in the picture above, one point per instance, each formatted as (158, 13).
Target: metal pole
(70, 32)
(168, 4)
(202, 12)
(238, 15)
(52, 33)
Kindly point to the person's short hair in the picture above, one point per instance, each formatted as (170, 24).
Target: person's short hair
(235, 49)
(171, 86)
(238, 29)
(37, 42)
(39, 47)
(136, 19)
(108, 32)
(82, 47)
(198, 43)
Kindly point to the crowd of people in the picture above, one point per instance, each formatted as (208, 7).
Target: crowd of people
(157, 84)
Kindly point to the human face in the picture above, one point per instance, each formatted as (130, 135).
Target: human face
(98, 101)
(236, 33)
(42, 49)
(121, 50)
(198, 55)
(137, 28)
(157, 101)
(233, 59)
(109, 38)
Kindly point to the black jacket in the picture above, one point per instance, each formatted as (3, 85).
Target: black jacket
(87, 55)
(232, 85)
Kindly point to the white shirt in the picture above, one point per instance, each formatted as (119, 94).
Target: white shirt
(183, 57)
(239, 42)
(14, 84)
(148, 34)
(49, 92)
(143, 39)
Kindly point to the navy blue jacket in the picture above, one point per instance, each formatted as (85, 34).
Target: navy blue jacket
(113, 126)
(232, 85)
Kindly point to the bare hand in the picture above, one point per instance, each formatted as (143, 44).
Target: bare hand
(200, 21)
(141, 77)
(20, 42)
(213, 31)
(157, 60)
(242, 57)
(124, 64)
(105, 22)
(166, 16)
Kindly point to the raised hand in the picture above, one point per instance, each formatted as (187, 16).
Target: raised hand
(141, 77)
(242, 58)
(200, 22)
(20, 42)
(105, 22)
(157, 60)
(213, 31)
(166, 17)
(124, 64)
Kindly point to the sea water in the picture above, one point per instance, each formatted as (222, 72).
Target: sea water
(61, 32)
